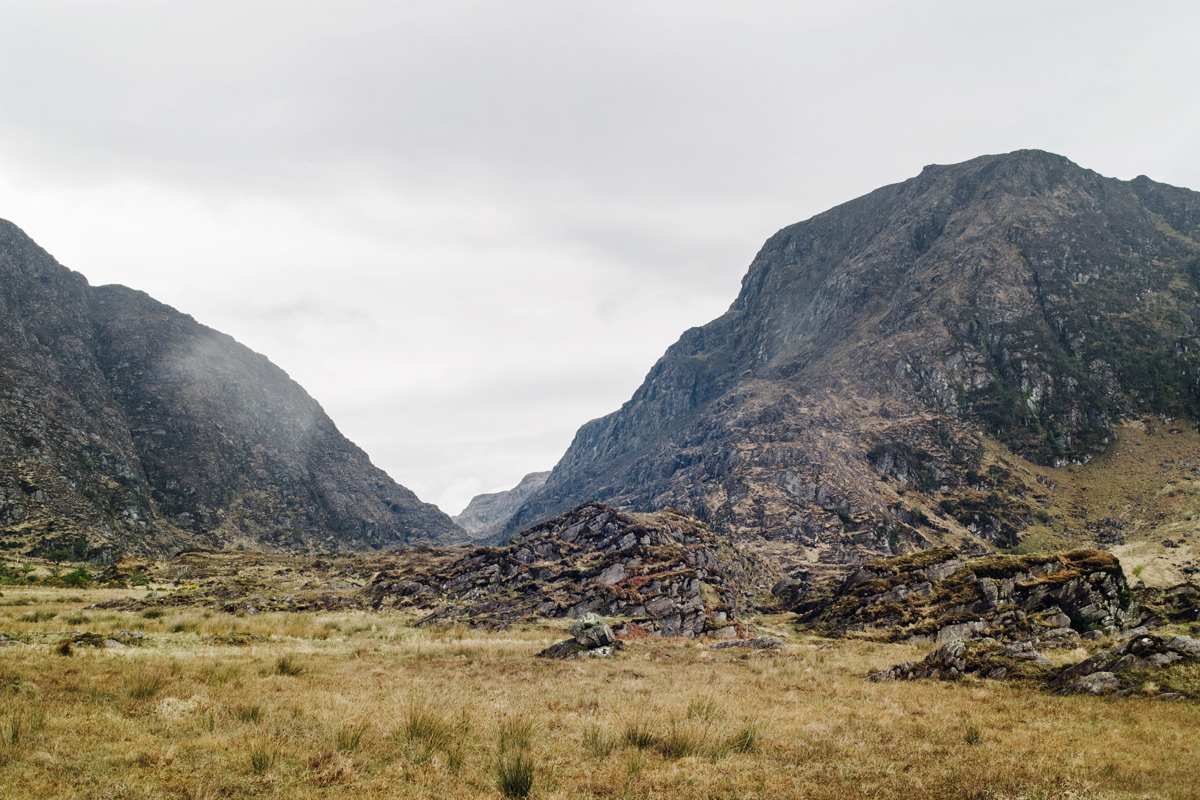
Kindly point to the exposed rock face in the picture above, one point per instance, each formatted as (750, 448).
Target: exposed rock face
(128, 424)
(1128, 664)
(939, 597)
(664, 572)
(872, 348)
(486, 514)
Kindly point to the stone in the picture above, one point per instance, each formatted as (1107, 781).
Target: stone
(1095, 683)
(758, 643)
(613, 574)
(590, 631)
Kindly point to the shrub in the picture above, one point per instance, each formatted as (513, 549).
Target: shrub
(79, 578)
(973, 735)
(152, 613)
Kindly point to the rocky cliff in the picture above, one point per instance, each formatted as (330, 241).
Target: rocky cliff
(486, 514)
(131, 427)
(880, 354)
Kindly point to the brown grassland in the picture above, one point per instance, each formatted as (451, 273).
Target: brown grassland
(364, 705)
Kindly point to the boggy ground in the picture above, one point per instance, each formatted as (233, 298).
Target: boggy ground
(360, 704)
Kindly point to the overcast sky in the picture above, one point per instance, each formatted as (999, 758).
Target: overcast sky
(466, 228)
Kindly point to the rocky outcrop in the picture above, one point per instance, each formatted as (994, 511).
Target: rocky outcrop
(664, 574)
(1126, 668)
(938, 596)
(984, 659)
(840, 407)
(486, 514)
(590, 636)
(129, 426)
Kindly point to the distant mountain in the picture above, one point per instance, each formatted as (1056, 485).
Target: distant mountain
(486, 514)
(885, 358)
(129, 425)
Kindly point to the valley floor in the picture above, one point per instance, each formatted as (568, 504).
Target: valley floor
(363, 705)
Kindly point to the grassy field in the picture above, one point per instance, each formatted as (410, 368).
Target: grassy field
(364, 705)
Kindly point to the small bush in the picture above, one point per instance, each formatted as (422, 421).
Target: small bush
(514, 775)
(152, 613)
(39, 616)
(64, 648)
(973, 735)
(79, 578)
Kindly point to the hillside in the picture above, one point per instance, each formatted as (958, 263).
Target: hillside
(129, 426)
(486, 514)
(890, 364)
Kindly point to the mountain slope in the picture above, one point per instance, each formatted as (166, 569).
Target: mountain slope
(875, 349)
(486, 514)
(131, 426)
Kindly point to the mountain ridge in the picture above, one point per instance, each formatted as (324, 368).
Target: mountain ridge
(882, 343)
(133, 427)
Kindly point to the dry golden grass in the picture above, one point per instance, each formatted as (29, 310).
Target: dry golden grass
(378, 709)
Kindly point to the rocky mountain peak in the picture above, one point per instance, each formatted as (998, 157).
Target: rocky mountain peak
(878, 347)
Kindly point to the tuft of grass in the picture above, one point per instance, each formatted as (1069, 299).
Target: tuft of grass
(680, 741)
(152, 613)
(745, 739)
(146, 683)
(637, 733)
(39, 616)
(64, 648)
(262, 753)
(972, 735)
(596, 744)
(251, 714)
(705, 708)
(424, 726)
(514, 734)
(288, 666)
(349, 736)
(514, 775)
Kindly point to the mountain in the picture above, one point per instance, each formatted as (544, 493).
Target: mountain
(911, 367)
(132, 427)
(486, 514)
